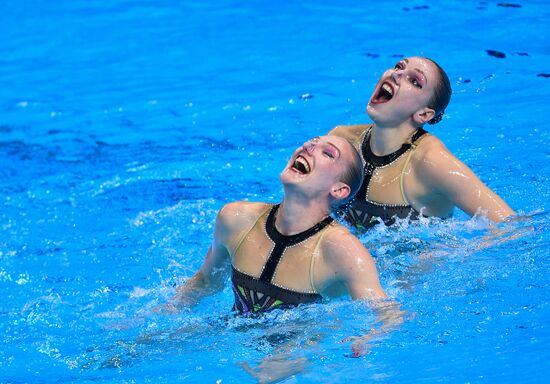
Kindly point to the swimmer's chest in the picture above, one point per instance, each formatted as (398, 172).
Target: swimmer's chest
(384, 185)
(293, 269)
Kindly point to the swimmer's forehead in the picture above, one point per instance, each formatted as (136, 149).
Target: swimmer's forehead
(334, 141)
(420, 65)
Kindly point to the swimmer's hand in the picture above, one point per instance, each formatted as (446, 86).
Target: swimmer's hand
(274, 369)
(360, 345)
(166, 309)
(185, 296)
(195, 289)
(173, 306)
(513, 228)
(389, 316)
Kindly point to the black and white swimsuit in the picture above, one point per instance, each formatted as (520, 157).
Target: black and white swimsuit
(255, 294)
(364, 213)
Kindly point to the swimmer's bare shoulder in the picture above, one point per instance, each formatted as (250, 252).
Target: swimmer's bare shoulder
(432, 158)
(423, 180)
(429, 148)
(237, 217)
(429, 142)
(345, 262)
(350, 132)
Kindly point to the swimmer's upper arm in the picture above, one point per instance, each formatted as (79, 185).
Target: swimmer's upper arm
(444, 174)
(352, 264)
(212, 275)
(218, 255)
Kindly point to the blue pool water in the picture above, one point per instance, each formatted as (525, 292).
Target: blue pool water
(126, 125)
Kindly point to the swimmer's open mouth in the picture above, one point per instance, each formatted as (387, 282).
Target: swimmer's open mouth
(384, 94)
(301, 165)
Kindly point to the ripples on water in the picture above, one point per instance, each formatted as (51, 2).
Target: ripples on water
(81, 299)
(122, 136)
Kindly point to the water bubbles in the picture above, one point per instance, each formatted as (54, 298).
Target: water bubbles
(47, 349)
(24, 278)
(139, 292)
(4, 276)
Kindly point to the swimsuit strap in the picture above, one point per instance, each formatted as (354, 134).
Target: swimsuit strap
(420, 132)
(358, 143)
(245, 233)
(381, 161)
(283, 241)
(373, 161)
(414, 143)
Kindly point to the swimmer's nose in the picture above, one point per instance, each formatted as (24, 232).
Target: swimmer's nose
(309, 147)
(396, 75)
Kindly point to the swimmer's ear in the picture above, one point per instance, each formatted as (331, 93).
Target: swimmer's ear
(340, 191)
(423, 115)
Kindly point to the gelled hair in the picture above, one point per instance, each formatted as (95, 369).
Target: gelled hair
(352, 176)
(441, 96)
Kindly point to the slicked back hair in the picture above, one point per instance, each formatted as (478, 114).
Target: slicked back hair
(352, 176)
(442, 94)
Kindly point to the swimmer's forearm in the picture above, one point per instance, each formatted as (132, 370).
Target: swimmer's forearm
(489, 204)
(190, 293)
(390, 315)
(502, 213)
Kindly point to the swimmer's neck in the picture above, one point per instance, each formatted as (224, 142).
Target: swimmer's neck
(388, 139)
(295, 216)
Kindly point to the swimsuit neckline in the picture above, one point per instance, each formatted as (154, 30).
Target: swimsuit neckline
(382, 161)
(290, 240)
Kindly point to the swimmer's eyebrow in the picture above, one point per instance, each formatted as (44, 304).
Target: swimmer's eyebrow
(418, 70)
(317, 138)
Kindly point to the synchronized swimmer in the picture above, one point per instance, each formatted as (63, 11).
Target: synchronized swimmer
(408, 171)
(293, 252)
(282, 255)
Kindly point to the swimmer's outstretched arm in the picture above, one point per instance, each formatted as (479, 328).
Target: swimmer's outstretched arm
(389, 316)
(211, 276)
(207, 281)
(345, 261)
(352, 264)
(443, 173)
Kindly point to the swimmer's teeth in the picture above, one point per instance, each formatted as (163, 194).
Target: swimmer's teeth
(385, 93)
(301, 165)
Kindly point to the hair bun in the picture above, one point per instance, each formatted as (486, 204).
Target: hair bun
(436, 119)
